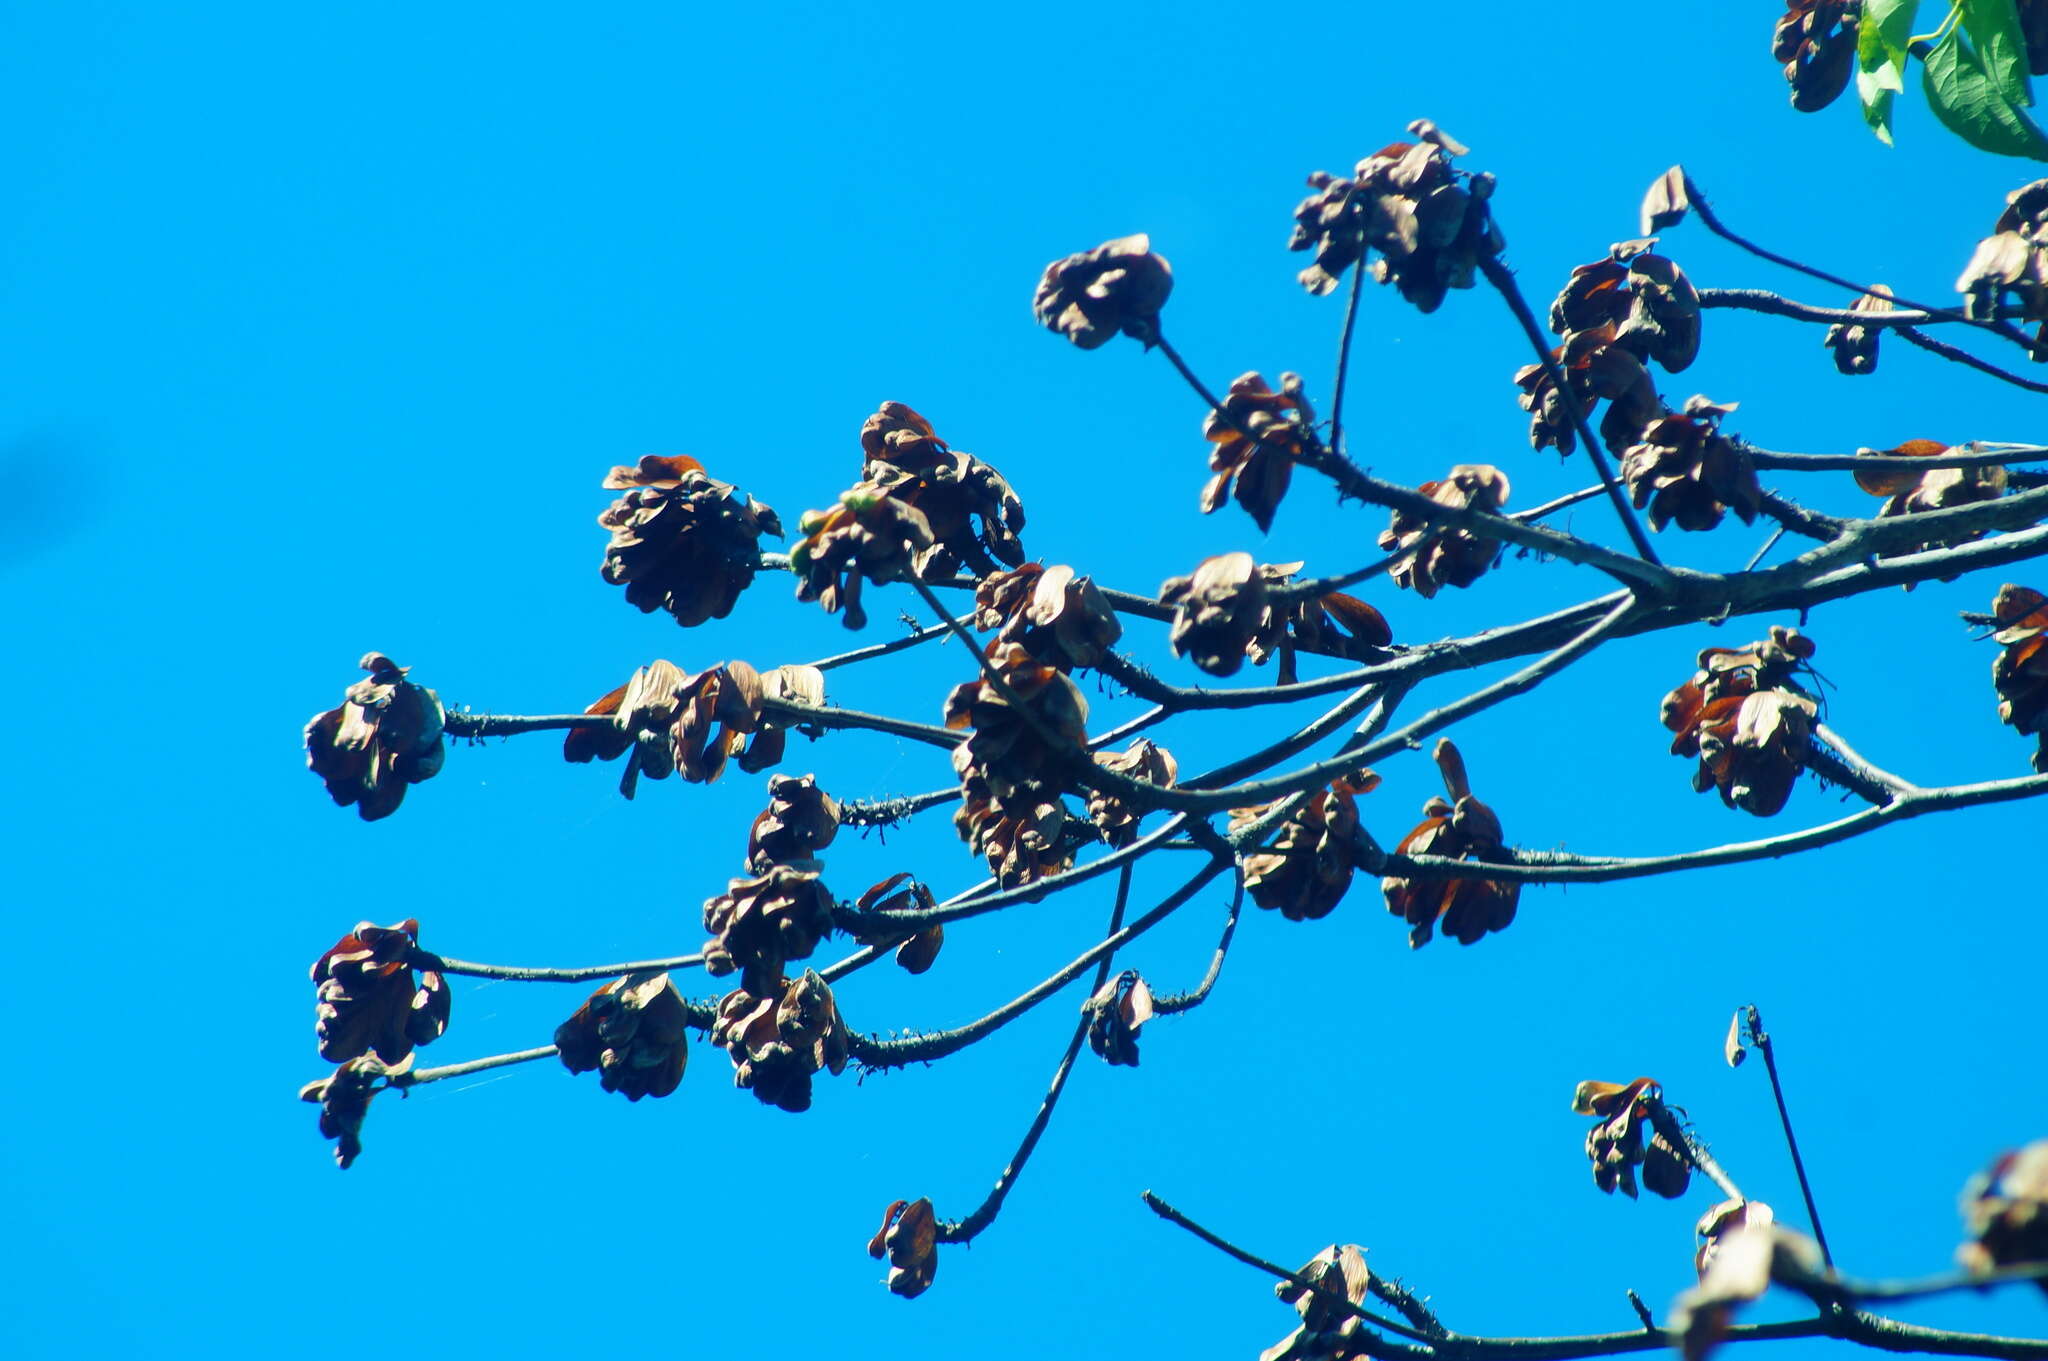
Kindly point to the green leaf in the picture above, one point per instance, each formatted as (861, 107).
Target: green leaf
(1994, 27)
(1968, 101)
(1881, 60)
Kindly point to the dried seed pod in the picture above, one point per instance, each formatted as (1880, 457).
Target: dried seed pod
(1014, 767)
(1258, 435)
(1936, 489)
(1746, 719)
(970, 509)
(873, 534)
(1223, 611)
(1059, 618)
(1326, 1332)
(909, 1239)
(1308, 869)
(1446, 557)
(1118, 286)
(1816, 40)
(800, 820)
(2005, 1212)
(760, 924)
(1142, 760)
(1614, 316)
(368, 999)
(1854, 346)
(632, 1031)
(682, 541)
(1685, 471)
(901, 893)
(1463, 829)
(2020, 671)
(1425, 223)
(344, 1100)
(780, 1037)
(1742, 1250)
(385, 735)
(1115, 1011)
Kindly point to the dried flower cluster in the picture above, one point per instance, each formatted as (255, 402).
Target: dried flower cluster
(1331, 625)
(1439, 557)
(675, 722)
(1308, 869)
(1059, 618)
(1684, 470)
(1854, 344)
(2009, 268)
(1221, 608)
(761, 923)
(1118, 286)
(799, 821)
(909, 1239)
(1816, 40)
(1427, 221)
(1463, 829)
(1013, 766)
(779, 1037)
(973, 515)
(901, 893)
(2020, 671)
(344, 1100)
(1114, 1012)
(1614, 316)
(1142, 760)
(1326, 1333)
(633, 1032)
(1742, 1250)
(1257, 435)
(1746, 720)
(2005, 1212)
(873, 534)
(1615, 1142)
(368, 999)
(681, 540)
(384, 736)
(1910, 493)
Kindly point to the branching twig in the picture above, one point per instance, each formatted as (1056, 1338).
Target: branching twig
(964, 1230)
(1171, 1003)
(427, 959)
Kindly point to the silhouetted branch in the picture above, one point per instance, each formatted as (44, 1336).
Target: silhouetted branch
(1174, 1002)
(1760, 1040)
(964, 1230)
(427, 959)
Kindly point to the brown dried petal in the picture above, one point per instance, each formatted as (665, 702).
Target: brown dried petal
(2005, 1212)
(368, 1000)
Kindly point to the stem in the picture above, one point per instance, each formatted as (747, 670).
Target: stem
(1761, 1039)
(874, 1053)
(416, 1077)
(427, 959)
(1680, 1137)
(964, 1231)
(1186, 1001)
(1344, 357)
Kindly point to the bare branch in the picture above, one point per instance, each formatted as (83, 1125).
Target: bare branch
(964, 1230)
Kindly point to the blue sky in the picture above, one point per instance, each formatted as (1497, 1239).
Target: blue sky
(322, 327)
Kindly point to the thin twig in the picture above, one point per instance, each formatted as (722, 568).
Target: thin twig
(1171, 1003)
(1344, 361)
(1679, 1137)
(427, 959)
(1913, 336)
(1335, 1299)
(1555, 867)
(1760, 1039)
(964, 1230)
(420, 1075)
(862, 654)
(872, 1052)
